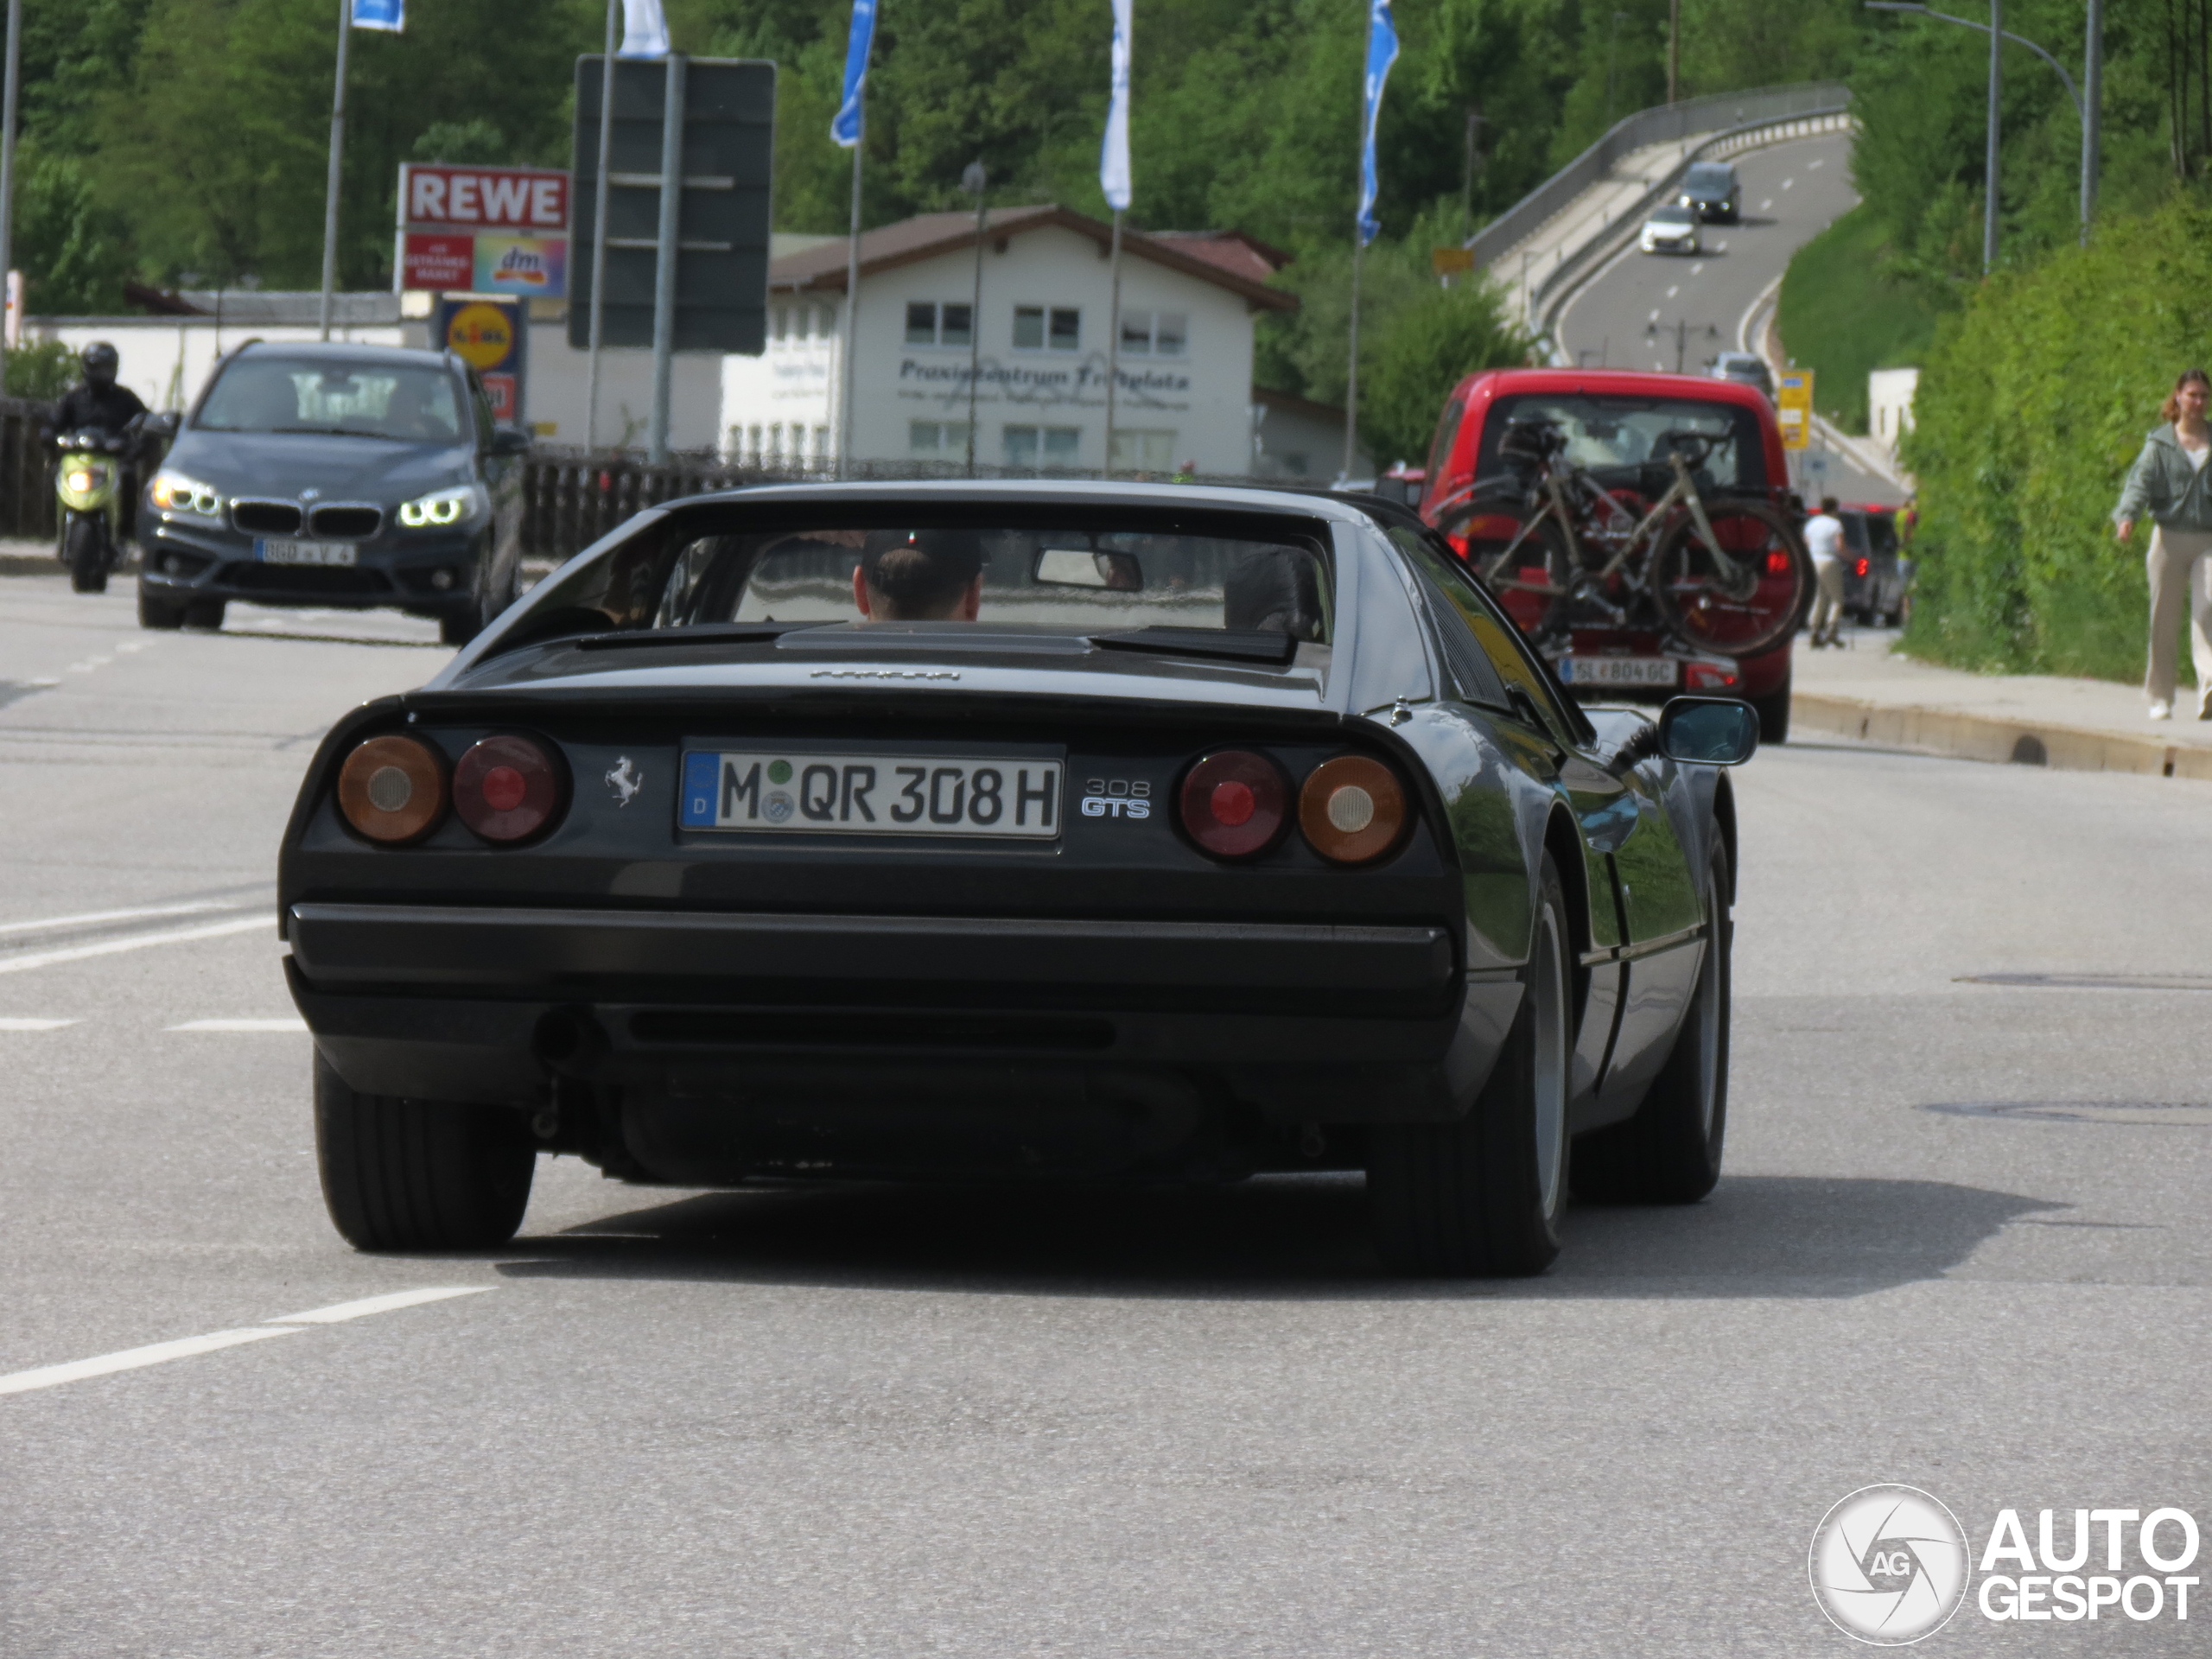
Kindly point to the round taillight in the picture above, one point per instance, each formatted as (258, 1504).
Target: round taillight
(393, 789)
(1351, 809)
(507, 788)
(1235, 804)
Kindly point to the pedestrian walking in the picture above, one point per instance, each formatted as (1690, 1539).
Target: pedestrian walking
(1824, 541)
(2168, 481)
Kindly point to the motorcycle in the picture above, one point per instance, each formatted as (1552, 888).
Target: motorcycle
(88, 480)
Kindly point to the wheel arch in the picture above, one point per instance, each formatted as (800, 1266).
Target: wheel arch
(1723, 819)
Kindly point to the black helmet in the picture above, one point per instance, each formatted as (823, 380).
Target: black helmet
(100, 361)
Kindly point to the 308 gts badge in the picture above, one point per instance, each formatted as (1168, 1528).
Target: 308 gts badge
(1116, 798)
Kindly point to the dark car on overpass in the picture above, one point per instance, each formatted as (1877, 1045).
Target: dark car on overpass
(1710, 190)
(1613, 422)
(345, 475)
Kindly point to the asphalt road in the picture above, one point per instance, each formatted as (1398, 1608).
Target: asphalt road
(1962, 1244)
(1628, 315)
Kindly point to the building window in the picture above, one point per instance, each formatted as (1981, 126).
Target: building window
(1037, 327)
(782, 318)
(1154, 333)
(821, 443)
(1048, 445)
(928, 323)
(944, 439)
(753, 445)
(1140, 449)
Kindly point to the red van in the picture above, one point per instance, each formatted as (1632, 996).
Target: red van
(1612, 419)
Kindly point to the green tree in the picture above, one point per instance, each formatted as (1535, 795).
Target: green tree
(1426, 347)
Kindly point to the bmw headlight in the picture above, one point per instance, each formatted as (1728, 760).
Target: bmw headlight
(174, 493)
(463, 505)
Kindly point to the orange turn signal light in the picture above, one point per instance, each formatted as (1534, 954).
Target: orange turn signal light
(1353, 809)
(393, 789)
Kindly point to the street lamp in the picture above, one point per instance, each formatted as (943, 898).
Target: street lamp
(1680, 328)
(2085, 109)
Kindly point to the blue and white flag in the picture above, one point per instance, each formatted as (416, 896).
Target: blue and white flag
(644, 30)
(389, 16)
(846, 128)
(1382, 53)
(1114, 154)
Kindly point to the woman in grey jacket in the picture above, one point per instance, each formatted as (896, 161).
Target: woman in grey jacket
(2168, 481)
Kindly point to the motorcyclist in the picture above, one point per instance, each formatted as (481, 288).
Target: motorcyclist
(101, 402)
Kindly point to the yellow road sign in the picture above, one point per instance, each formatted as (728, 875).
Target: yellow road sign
(1793, 407)
(1452, 262)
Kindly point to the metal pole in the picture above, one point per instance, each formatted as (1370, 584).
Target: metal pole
(1990, 160)
(8, 91)
(853, 304)
(1351, 375)
(599, 230)
(2093, 92)
(1674, 49)
(666, 251)
(337, 151)
(1113, 342)
(976, 319)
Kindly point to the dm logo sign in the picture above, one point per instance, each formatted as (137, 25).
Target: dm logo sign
(1889, 1564)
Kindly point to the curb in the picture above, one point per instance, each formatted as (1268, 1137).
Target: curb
(1978, 737)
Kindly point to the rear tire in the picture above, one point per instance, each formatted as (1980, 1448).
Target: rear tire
(204, 613)
(1483, 1196)
(1692, 600)
(154, 614)
(1669, 1152)
(415, 1174)
(1773, 710)
(84, 549)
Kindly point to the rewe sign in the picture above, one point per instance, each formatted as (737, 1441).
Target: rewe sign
(484, 230)
(525, 200)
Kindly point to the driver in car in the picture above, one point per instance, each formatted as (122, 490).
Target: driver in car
(919, 576)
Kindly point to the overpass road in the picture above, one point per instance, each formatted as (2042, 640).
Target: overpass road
(1628, 315)
(1961, 1242)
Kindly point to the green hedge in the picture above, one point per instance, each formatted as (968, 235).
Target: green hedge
(1840, 317)
(2031, 406)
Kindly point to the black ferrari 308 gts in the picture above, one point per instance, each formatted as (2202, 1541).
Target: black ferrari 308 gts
(1023, 829)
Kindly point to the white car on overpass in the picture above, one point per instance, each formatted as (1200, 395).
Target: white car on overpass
(1671, 228)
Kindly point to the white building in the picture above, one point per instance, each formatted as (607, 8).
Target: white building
(1888, 406)
(1031, 368)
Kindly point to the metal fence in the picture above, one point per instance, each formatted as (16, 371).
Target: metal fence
(26, 470)
(1716, 113)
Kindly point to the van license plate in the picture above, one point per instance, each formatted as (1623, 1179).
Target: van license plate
(1618, 671)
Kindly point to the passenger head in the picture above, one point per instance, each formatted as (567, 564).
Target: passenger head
(1829, 504)
(919, 576)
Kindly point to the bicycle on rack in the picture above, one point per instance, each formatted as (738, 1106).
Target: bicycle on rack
(1728, 574)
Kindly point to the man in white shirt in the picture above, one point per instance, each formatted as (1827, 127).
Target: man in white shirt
(1824, 541)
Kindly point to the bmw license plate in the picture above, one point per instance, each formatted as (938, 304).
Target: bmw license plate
(1618, 671)
(870, 794)
(269, 551)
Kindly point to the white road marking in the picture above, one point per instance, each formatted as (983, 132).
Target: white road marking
(292, 1024)
(130, 1359)
(1697, 267)
(23, 1024)
(339, 1312)
(1675, 290)
(133, 644)
(1768, 203)
(130, 942)
(1721, 247)
(143, 913)
(1786, 183)
(1654, 314)
(1809, 166)
(159, 1353)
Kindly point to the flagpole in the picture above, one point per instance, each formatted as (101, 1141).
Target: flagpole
(14, 76)
(1351, 377)
(337, 151)
(845, 458)
(1114, 343)
(599, 230)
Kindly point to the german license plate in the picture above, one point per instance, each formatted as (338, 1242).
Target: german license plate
(782, 791)
(271, 551)
(1618, 671)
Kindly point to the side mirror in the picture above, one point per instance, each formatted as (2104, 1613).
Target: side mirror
(162, 426)
(1712, 731)
(511, 441)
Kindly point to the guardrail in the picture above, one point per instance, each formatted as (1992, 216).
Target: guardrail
(1717, 113)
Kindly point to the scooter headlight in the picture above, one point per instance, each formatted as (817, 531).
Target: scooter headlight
(84, 480)
(174, 493)
(464, 505)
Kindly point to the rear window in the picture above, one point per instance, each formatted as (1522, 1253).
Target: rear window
(1881, 533)
(1706, 176)
(1615, 438)
(1246, 575)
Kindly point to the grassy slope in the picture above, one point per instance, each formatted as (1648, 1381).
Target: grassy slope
(1838, 319)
